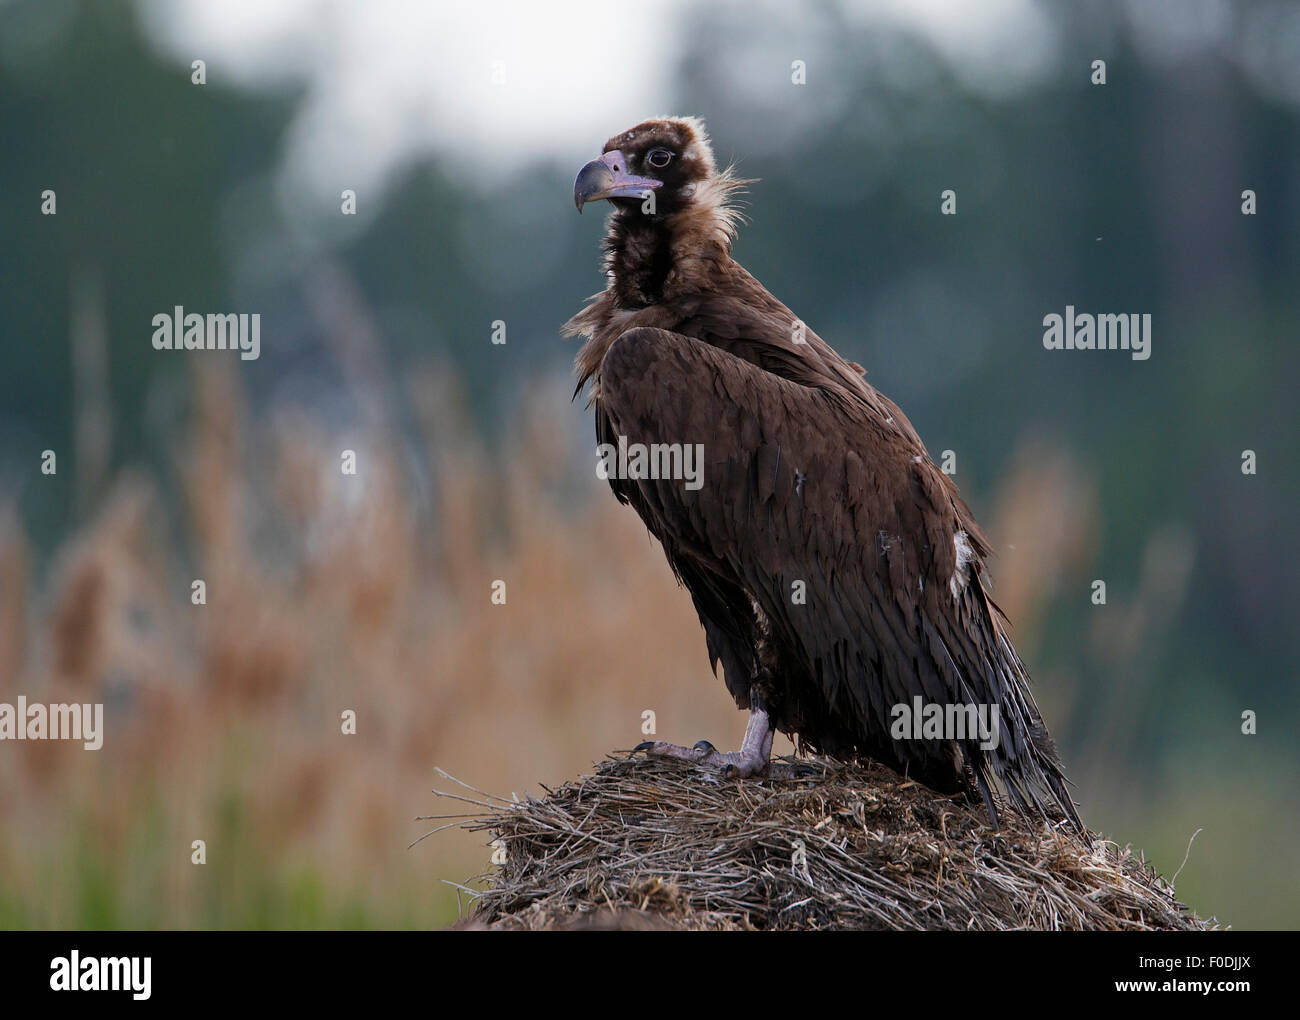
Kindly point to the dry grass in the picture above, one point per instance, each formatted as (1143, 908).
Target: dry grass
(328, 592)
(645, 843)
(325, 593)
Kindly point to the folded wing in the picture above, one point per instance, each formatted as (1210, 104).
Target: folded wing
(823, 529)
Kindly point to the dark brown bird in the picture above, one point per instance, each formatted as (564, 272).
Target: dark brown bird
(838, 574)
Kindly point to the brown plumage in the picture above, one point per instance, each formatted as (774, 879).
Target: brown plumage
(812, 481)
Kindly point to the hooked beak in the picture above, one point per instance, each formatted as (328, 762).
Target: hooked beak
(607, 177)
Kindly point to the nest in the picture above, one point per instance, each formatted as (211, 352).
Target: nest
(820, 844)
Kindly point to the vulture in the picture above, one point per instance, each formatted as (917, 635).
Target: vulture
(838, 575)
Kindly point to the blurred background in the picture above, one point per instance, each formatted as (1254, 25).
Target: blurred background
(459, 127)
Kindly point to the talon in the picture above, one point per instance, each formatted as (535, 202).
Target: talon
(751, 759)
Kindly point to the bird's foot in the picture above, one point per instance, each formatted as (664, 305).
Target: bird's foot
(745, 762)
(751, 759)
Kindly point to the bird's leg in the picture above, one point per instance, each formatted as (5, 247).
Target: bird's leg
(755, 749)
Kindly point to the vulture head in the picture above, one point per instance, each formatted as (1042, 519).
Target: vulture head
(668, 157)
(671, 227)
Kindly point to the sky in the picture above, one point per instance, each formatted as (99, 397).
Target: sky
(490, 86)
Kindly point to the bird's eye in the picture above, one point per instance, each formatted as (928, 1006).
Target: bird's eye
(659, 158)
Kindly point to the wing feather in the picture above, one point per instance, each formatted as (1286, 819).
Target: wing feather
(807, 483)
